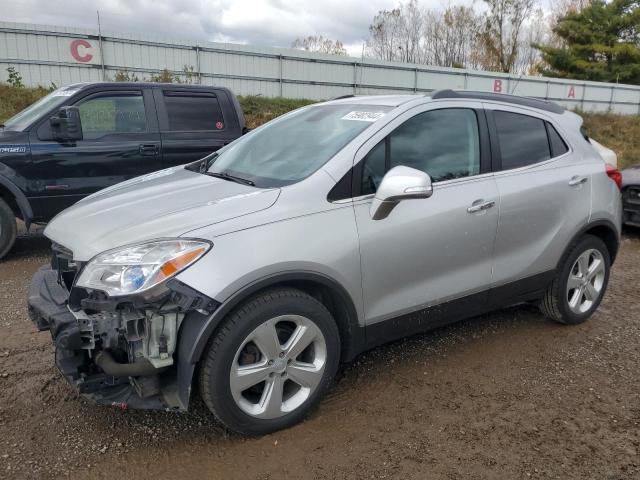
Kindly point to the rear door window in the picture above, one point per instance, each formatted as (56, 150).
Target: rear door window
(523, 139)
(188, 112)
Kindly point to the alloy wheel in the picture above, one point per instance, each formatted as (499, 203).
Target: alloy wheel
(586, 281)
(278, 366)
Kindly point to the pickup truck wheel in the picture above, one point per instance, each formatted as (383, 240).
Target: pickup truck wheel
(578, 288)
(270, 362)
(8, 228)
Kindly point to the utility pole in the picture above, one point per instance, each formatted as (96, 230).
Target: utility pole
(100, 46)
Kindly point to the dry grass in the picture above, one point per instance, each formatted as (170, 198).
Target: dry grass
(618, 132)
(259, 110)
(621, 133)
(12, 99)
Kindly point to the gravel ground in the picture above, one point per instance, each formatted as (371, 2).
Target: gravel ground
(506, 395)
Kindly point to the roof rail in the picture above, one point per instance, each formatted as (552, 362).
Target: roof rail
(500, 97)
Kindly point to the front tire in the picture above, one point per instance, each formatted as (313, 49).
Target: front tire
(580, 284)
(8, 228)
(270, 362)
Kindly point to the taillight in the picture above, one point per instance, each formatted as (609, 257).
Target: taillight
(615, 175)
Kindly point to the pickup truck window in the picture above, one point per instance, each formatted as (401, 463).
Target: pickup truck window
(292, 147)
(112, 113)
(188, 113)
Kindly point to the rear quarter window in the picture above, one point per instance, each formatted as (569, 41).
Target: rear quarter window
(557, 144)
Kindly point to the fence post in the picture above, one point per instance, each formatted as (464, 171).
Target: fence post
(280, 60)
(355, 78)
(198, 65)
(100, 46)
(613, 91)
(546, 93)
(415, 80)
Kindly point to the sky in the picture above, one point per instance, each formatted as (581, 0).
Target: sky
(259, 22)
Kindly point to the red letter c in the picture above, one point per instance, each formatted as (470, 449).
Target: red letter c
(75, 53)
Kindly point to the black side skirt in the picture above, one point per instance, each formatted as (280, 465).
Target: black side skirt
(528, 289)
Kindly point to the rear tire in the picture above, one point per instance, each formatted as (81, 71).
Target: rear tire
(8, 228)
(270, 362)
(580, 284)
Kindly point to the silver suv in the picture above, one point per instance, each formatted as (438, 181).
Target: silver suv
(340, 226)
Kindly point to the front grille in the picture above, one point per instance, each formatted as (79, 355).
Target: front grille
(632, 194)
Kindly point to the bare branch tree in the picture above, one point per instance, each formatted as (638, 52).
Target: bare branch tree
(320, 45)
(450, 37)
(535, 32)
(410, 33)
(458, 36)
(500, 38)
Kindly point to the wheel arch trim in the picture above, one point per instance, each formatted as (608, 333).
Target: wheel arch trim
(197, 328)
(208, 327)
(595, 224)
(20, 198)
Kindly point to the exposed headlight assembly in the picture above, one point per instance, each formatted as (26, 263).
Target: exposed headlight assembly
(137, 268)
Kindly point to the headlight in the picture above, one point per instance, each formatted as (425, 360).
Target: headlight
(136, 268)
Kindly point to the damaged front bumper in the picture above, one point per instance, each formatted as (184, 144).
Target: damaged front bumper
(120, 352)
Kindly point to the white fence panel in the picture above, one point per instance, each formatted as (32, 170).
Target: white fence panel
(45, 54)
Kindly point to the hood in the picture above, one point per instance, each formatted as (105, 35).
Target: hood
(631, 176)
(163, 204)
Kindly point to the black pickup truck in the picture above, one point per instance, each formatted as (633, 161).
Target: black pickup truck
(82, 138)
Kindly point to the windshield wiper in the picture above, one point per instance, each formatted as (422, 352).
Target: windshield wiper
(231, 178)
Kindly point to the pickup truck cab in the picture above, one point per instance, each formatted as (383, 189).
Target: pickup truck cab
(85, 137)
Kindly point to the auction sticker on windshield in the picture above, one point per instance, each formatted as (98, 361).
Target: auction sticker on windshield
(64, 93)
(363, 116)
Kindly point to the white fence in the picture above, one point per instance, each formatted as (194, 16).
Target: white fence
(46, 54)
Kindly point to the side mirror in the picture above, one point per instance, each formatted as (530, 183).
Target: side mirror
(66, 125)
(400, 183)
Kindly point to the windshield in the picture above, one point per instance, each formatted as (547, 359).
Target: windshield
(292, 147)
(26, 117)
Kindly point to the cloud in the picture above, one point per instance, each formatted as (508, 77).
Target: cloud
(258, 22)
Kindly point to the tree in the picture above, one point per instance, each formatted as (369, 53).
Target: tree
(125, 76)
(537, 31)
(14, 78)
(599, 42)
(320, 45)
(500, 38)
(450, 37)
(457, 36)
(397, 35)
(164, 76)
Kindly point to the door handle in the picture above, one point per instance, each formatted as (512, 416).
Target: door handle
(149, 149)
(479, 207)
(577, 180)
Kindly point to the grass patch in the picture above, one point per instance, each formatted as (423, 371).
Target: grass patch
(259, 110)
(13, 99)
(621, 133)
